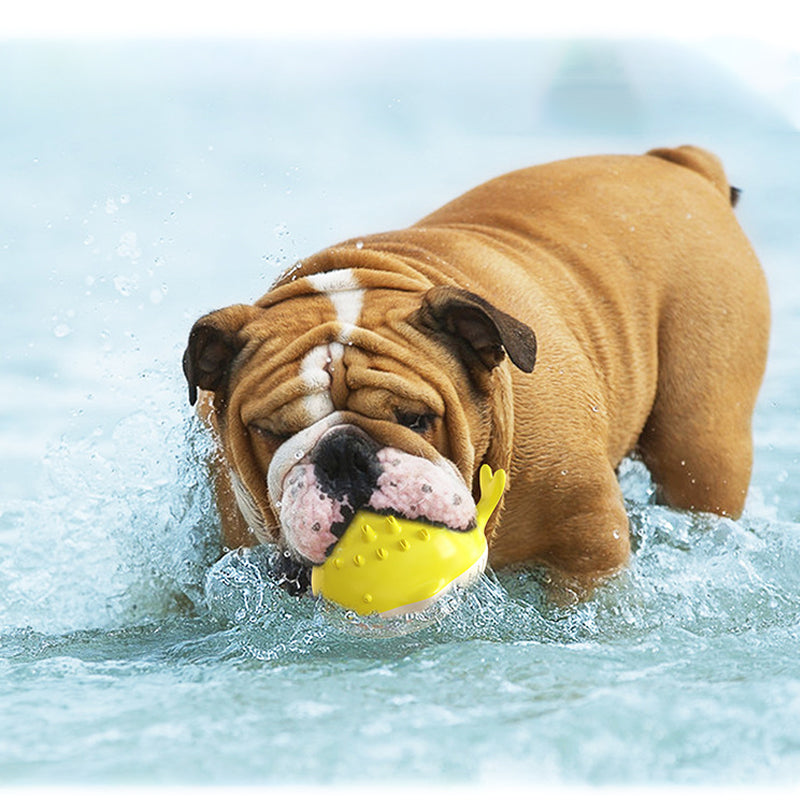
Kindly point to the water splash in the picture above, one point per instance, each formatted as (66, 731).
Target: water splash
(122, 531)
(127, 532)
(690, 574)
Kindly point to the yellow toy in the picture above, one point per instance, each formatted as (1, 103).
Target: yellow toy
(388, 566)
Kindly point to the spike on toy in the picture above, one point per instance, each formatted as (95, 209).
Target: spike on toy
(389, 566)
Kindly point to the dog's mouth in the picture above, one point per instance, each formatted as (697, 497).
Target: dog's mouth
(290, 575)
(345, 472)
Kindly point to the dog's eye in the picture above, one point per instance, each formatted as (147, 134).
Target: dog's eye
(272, 438)
(419, 423)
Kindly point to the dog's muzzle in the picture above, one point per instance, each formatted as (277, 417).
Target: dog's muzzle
(346, 470)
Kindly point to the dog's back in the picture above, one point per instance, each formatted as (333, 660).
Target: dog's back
(651, 310)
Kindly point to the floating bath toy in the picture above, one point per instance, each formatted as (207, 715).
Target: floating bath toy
(392, 567)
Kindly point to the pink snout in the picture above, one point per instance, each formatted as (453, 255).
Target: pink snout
(321, 497)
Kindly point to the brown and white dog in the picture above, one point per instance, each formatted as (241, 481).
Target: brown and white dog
(384, 371)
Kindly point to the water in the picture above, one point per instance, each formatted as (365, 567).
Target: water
(147, 184)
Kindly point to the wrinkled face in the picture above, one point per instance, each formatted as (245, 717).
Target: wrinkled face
(336, 397)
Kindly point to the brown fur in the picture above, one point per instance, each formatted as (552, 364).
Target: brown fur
(651, 316)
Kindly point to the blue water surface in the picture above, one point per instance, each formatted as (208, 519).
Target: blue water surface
(146, 183)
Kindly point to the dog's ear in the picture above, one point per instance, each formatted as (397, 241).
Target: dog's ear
(215, 340)
(487, 331)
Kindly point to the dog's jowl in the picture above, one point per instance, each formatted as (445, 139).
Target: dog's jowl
(549, 322)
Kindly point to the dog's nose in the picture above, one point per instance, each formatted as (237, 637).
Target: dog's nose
(346, 466)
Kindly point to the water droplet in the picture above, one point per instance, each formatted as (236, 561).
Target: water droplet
(123, 285)
(128, 246)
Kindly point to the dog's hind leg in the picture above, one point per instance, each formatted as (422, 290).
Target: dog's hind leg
(700, 462)
(697, 441)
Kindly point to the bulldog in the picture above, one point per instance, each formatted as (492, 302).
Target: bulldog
(382, 372)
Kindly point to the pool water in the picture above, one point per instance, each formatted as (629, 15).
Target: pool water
(145, 184)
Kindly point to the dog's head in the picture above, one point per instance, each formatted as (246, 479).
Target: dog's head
(334, 394)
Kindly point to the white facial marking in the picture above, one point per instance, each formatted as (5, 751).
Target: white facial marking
(315, 374)
(346, 296)
(345, 293)
(314, 369)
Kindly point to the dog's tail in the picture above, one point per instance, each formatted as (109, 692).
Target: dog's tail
(702, 162)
